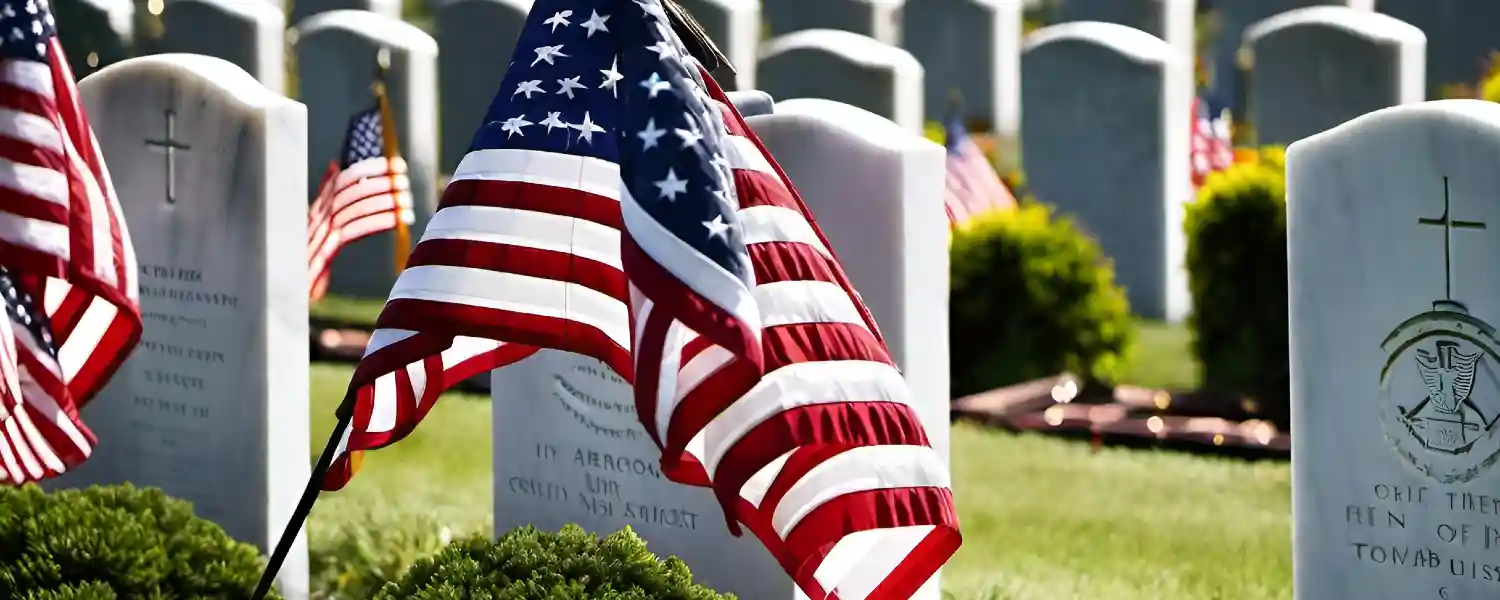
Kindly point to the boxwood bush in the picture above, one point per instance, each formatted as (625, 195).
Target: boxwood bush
(529, 564)
(122, 542)
(1236, 260)
(1031, 296)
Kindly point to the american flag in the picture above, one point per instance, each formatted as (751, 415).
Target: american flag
(71, 294)
(1212, 149)
(362, 194)
(615, 205)
(973, 186)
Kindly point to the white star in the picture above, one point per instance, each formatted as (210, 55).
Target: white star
(552, 121)
(689, 136)
(717, 228)
(671, 186)
(650, 135)
(31, 6)
(15, 34)
(36, 27)
(558, 18)
(569, 84)
(721, 194)
(652, 10)
(611, 76)
(8, 12)
(655, 84)
(587, 129)
(513, 125)
(720, 161)
(547, 53)
(662, 49)
(527, 87)
(595, 23)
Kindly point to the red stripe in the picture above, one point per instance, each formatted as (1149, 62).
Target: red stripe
(521, 260)
(534, 197)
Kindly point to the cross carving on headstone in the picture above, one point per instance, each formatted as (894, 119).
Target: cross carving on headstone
(170, 145)
(1449, 224)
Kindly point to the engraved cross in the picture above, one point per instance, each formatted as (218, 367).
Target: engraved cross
(1449, 224)
(170, 145)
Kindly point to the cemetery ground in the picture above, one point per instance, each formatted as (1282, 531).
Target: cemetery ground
(1044, 518)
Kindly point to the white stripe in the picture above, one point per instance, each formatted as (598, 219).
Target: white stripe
(39, 400)
(31, 469)
(584, 173)
(529, 229)
(91, 328)
(862, 469)
(465, 348)
(43, 236)
(666, 379)
(380, 338)
(101, 206)
(377, 167)
(31, 76)
(31, 129)
(863, 559)
(743, 154)
(794, 302)
(37, 443)
(765, 224)
(380, 187)
(756, 487)
(39, 182)
(383, 409)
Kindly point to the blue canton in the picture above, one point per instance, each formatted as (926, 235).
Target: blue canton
(364, 139)
(27, 26)
(22, 310)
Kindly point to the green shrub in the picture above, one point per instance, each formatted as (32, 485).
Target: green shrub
(119, 542)
(369, 544)
(1236, 260)
(1031, 295)
(528, 564)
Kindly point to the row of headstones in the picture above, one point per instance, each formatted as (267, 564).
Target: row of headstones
(213, 404)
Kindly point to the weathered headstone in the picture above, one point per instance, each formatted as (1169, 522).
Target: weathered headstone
(845, 67)
(735, 26)
(1461, 34)
(879, 19)
(336, 60)
(249, 34)
(212, 405)
(1318, 67)
(1106, 140)
(1170, 20)
(476, 36)
(304, 9)
(1392, 221)
(94, 33)
(752, 102)
(1233, 16)
(972, 47)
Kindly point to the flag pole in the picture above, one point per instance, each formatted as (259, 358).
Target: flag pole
(391, 148)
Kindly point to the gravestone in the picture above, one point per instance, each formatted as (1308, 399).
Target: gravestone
(752, 102)
(735, 26)
(1318, 67)
(845, 67)
(305, 9)
(1461, 35)
(1392, 223)
(879, 19)
(476, 36)
(94, 33)
(212, 405)
(336, 60)
(972, 47)
(1106, 138)
(1170, 20)
(251, 35)
(1233, 17)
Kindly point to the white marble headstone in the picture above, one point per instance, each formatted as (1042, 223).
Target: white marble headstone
(845, 67)
(212, 405)
(1318, 67)
(1106, 141)
(306, 9)
(735, 26)
(752, 102)
(1461, 34)
(249, 34)
(879, 19)
(477, 38)
(336, 60)
(1393, 224)
(972, 47)
(94, 33)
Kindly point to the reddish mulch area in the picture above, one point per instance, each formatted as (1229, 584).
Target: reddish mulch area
(1128, 416)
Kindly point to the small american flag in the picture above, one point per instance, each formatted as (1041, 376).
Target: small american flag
(362, 194)
(615, 205)
(69, 279)
(1212, 149)
(973, 186)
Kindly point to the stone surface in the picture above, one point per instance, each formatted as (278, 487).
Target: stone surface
(1170, 20)
(304, 9)
(331, 48)
(1106, 141)
(1318, 67)
(752, 102)
(249, 34)
(1460, 36)
(735, 26)
(212, 405)
(1233, 17)
(94, 33)
(845, 67)
(476, 36)
(879, 19)
(973, 48)
(1393, 354)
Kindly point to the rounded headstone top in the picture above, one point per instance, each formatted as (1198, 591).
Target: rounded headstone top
(373, 26)
(260, 12)
(522, 6)
(121, 13)
(1473, 114)
(232, 80)
(1127, 41)
(1363, 23)
(850, 46)
(853, 121)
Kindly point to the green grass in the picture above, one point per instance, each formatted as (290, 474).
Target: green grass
(1163, 357)
(1043, 518)
(360, 312)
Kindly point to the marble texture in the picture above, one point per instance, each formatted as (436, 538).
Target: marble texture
(330, 49)
(249, 34)
(735, 26)
(879, 19)
(752, 102)
(212, 405)
(1170, 20)
(94, 33)
(973, 48)
(1233, 17)
(306, 9)
(477, 37)
(1382, 296)
(1106, 141)
(1318, 67)
(1460, 36)
(844, 67)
